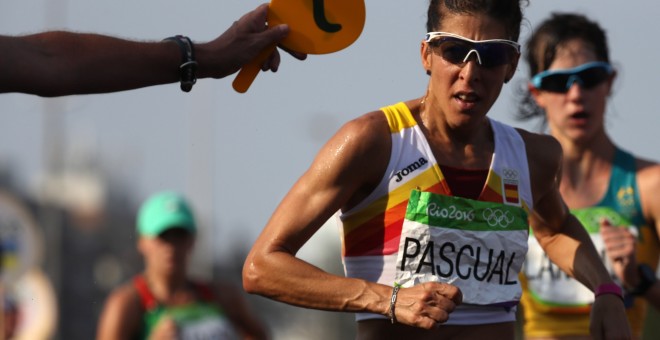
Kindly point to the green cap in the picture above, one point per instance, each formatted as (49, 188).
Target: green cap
(164, 211)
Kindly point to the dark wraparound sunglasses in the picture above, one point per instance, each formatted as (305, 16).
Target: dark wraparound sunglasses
(586, 75)
(457, 49)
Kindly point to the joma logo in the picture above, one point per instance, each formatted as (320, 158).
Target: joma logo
(410, 168)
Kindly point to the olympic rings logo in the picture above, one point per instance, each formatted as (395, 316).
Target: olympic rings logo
(511, 174)
(497, 217)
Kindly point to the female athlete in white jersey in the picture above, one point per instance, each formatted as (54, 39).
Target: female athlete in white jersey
(434, 200)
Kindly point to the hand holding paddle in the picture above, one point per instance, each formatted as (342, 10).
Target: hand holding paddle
(315, 27)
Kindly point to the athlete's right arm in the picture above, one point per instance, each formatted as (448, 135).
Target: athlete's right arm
(121, 316)
(344, 171)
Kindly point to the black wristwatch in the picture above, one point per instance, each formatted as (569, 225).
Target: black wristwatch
(646, 279)
(188, 63)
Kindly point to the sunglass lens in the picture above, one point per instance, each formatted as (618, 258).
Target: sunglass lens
(495, 54)
(592, 77)
(555, 83)
(454, 51)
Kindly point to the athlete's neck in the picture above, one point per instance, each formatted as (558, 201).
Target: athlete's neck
(586, 172)
(457, 131)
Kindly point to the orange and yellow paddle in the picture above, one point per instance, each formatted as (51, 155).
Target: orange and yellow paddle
(316, 27)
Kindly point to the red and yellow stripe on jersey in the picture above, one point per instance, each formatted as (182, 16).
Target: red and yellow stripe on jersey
(374, 227)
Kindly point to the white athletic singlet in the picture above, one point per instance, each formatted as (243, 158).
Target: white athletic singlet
(371, 231)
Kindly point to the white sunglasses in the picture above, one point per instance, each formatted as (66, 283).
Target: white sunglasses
(457, 49)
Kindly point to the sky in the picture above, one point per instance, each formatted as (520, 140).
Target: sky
(236, 155)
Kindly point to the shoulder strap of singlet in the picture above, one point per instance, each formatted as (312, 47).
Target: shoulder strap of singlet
(147, 299)
(624, 163)
(623, 169)
(398, 117)
(622, 175)
(511, 164)
(623, 182)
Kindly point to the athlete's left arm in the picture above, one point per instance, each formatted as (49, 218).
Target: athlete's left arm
(560, 234)
(565, 240)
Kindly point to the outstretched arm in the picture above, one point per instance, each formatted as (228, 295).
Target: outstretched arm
(63, 63)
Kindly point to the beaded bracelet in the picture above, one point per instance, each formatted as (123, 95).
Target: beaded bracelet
(395, 291)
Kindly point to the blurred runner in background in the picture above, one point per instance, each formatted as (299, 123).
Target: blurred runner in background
(162, 302)
(612, 192)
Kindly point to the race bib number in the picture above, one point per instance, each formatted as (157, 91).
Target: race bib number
(551, 286)
(477, 246)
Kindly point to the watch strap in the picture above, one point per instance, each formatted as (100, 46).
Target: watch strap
(188, 66)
